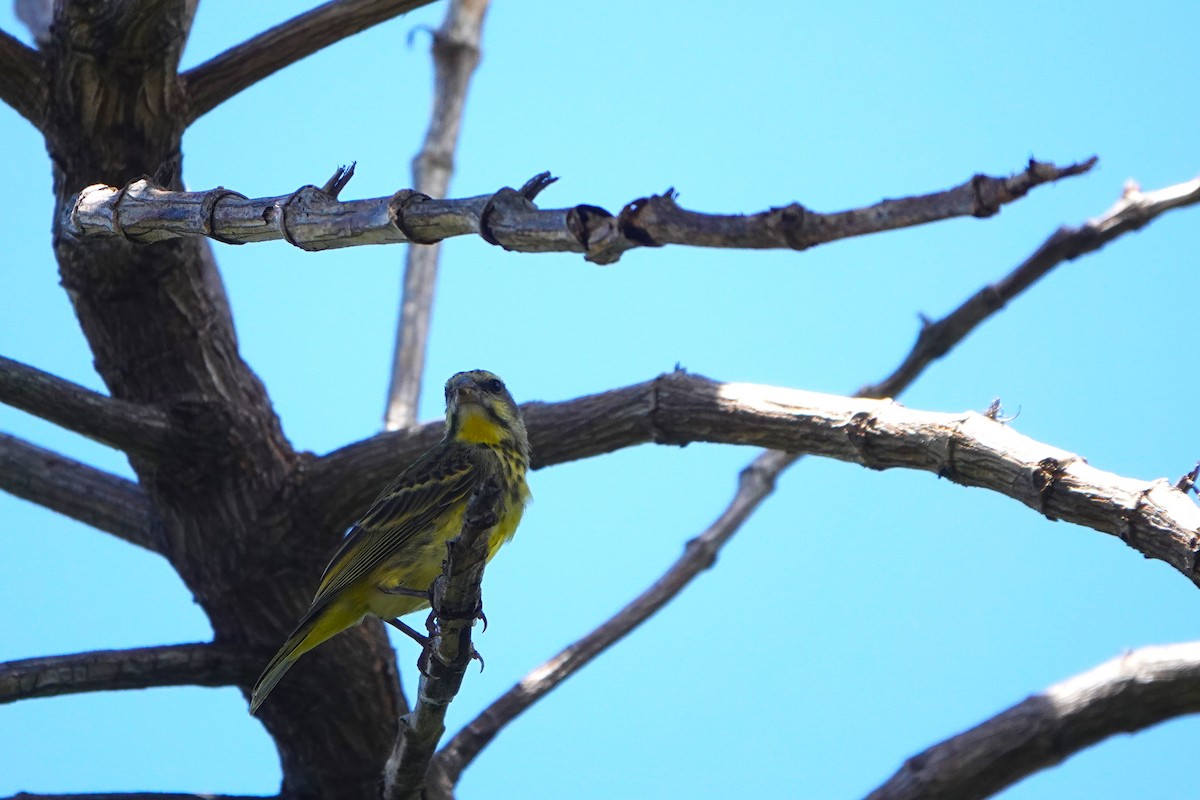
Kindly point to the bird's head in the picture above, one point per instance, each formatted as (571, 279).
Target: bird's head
(480, 410)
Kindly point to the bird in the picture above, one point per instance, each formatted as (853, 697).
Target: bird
(388, 560)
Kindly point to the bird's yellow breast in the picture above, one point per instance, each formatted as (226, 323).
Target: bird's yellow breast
(419, 564)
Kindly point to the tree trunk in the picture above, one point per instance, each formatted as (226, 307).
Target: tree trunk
(230, 494)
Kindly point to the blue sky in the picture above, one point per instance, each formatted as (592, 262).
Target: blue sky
(859, 616)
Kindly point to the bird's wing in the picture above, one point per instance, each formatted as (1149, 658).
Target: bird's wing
(432, 485)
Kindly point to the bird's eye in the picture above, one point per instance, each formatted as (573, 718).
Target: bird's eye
(495, 386)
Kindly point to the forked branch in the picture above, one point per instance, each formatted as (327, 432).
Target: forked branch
(315, 220)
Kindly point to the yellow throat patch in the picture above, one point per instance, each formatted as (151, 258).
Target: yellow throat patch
(477, 426)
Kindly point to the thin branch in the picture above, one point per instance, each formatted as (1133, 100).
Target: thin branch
(127, 426)
(97, 498)
(455, 57)
(24, 83)
(1134, 210)
(756, 483)
(240, 67)
(314, 220)
(456, 604)
(200, 664)
(1129, 693)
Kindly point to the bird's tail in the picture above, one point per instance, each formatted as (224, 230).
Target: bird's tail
(308, 634)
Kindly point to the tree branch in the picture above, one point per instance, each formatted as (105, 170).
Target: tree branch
(456, 604)
(117, 423)
(200, 664)
(94, 497)
(1130, 213)
(221, 77)
(970, 449)
(757, 480)
(1134, 691)
(314, 220)
(754, 484)
(455, 57)
(24, 83)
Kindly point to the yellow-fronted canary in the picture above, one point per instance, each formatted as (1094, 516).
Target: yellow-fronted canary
(390, 558)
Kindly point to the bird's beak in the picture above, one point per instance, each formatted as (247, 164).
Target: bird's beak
(465, 390)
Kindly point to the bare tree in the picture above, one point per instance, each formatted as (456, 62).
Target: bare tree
(220, 490)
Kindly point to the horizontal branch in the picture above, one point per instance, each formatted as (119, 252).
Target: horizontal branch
(97, 498)
(24, 81)
(117, 423)
(240, 67)
(1134, 210)
(1127, 694)
(970, 449)
(313, 219)
(199, 664)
